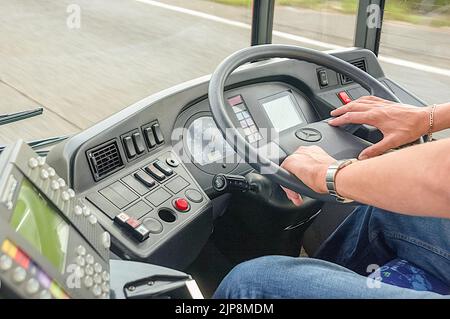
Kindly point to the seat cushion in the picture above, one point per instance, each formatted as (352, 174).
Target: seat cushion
(402, 273)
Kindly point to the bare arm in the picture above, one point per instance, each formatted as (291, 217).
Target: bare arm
(413, 181)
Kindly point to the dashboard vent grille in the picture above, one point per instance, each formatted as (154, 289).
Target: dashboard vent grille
(104, 160)
(360, 64)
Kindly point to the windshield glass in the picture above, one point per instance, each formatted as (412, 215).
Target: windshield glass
(85, 60)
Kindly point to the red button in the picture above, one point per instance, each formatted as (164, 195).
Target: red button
(133, 223)
(344, 97)
(181, 204)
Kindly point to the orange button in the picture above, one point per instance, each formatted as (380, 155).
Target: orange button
(344, 97)
(181, 204)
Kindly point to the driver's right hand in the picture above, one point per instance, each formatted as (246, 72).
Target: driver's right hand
(400, 124)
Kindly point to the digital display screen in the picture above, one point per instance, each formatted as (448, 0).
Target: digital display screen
(38, 221)
(282, 113)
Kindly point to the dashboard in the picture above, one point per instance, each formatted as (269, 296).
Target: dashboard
(146, 172)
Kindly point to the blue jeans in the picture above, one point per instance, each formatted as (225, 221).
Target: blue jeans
(369, 236)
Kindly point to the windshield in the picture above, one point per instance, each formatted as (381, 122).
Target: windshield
(84, 60)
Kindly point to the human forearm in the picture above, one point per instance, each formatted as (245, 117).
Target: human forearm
(412, 181)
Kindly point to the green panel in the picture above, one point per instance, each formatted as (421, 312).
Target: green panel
(39, 222)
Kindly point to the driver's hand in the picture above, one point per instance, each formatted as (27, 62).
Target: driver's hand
(310, 165)
(400, 124)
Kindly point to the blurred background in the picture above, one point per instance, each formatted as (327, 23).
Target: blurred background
(82, 70)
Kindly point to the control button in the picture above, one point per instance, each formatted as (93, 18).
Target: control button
(240, 117)
(77, 210)
(149, 137)
(44, 174)
(163, 168)
(97, 279)
(244, 124)
(158, 133)
(177, 184)
(97, 291)
(80, 261)
(92, 219)
(105, 287)
(19, 275)
(54, 185)
(132, 223)
(79, 272)
(41, 160)
(89, 270)
(246, 115)
(141, 233)
(219, 183)
(158, 197)
(138, 143)
(250, 122)
(81, 250)
(45, 294)
(194, 195)
(145, 179)
(51, 172)
(172, 162)
(71, 193)
(323, 77)
(32, 286)
(106, 240)
(121, 219)
(343, 96)
(181, 204)
(90, 259)
(33, 163)
(86, 211)
(129, 147)
(88, 282)
(155, 173)
(153, 225)
(61, 182)
(105, 276)
(65, 196)
(98, 268)
(5, 263)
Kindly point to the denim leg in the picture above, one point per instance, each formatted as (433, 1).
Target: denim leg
(277, 277)
(375, 236)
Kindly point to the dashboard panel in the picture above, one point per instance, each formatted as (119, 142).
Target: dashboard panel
(126, 165)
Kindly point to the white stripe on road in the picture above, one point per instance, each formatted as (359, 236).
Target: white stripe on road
(293, 37)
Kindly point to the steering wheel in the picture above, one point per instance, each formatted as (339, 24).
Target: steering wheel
(335, 141)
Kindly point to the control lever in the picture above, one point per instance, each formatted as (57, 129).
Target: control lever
(225, 182)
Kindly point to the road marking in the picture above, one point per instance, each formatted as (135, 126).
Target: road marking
(296, 38)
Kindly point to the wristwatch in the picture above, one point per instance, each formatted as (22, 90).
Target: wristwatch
(333, 169)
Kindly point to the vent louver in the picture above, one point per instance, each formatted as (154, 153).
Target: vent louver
(360, 64)
(104, 160)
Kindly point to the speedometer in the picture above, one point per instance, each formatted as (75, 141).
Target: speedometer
(205, 142)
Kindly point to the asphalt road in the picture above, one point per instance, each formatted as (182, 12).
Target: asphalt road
(126, 50)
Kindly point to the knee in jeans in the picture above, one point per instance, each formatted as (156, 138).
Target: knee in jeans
(242, 280)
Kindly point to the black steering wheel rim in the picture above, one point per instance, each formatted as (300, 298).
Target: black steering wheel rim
(243, 148)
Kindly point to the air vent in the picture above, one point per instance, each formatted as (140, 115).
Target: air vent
(104, 160)
(360, 64)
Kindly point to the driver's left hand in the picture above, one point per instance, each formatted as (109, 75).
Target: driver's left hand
(310, 165)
